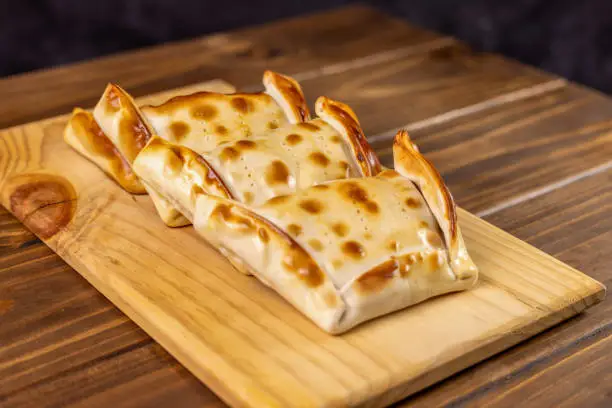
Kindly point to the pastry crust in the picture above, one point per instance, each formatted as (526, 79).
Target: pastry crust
(287, 92)
(118, 116)
(178, 174)
(413, 165)
(253, 170)
(84, 135)
(272, 255)
(344, 120)
(374, 238)
(203, 120)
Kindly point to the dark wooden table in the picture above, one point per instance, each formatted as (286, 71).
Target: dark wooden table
(527, 151)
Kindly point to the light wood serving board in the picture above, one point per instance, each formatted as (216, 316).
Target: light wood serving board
(240, 338)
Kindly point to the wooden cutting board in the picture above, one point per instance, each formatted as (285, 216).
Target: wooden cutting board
(240, 338)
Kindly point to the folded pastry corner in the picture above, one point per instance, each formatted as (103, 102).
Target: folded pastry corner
(129, 131)
(123, 122)
(346, 251)
(344, 120)
(288, 94)
(410, 163)
(84, 135)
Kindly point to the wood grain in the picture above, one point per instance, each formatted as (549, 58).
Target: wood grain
(239, 337)
(497, 156)
(575, 225)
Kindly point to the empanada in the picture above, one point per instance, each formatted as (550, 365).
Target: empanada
(253, 170)
(201, 121)
(347, 251)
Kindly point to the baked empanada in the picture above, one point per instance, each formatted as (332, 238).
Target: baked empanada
(347, 251)
(253, 170)
(201, 121)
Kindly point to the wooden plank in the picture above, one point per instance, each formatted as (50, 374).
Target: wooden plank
(300, 44)
(496, 156)
(573, 223)
(115, 241)
(421, 86)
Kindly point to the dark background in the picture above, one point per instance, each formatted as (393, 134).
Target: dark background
(572, 38)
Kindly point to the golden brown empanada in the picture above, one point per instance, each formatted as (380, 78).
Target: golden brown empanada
(347, 251)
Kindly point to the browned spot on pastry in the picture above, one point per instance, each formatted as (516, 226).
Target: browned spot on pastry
(433, 239)
(263, 235)
(43, 202)
(293, 139)
(175, 160)
(179, 130)
(412, 202)
(371, 207)
(203, 112)
(408, 261)
(133, 128)
(296, 260)
(388, 174)
(392, 245)
(321, 187)
(319, 159)
(272, 125)
(278, 199)
(432, 261)
(248, 197)
(340, 229)
(222, 130)
(353, 249)
(359, 196)
(354, 192)
(277, 173)
(294, 230)
(235, 221)
(303, 266)
(336, 139)
(315, 244)
(330, 299)
(423, 224)
(229, 154)
(113, 102)
(367, 235)
(376, 278)
(241, 104)
(311, 205)
(344, 166)
(337, 263)
(246, 144)
(309, 126)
